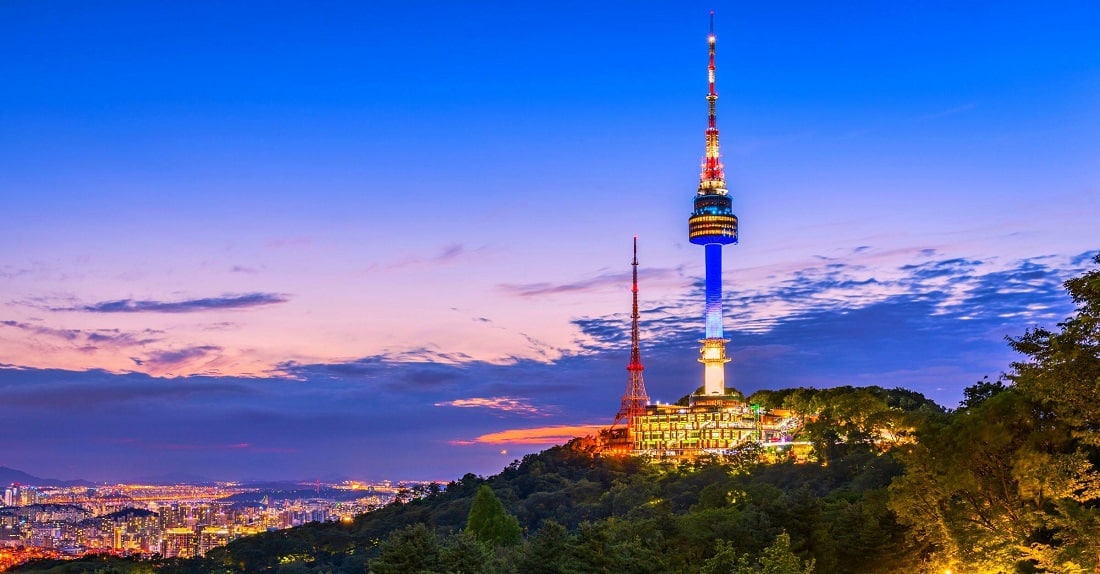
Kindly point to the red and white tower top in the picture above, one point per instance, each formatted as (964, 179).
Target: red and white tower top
(712, 178)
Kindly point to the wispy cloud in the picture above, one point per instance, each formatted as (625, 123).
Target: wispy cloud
(222, 303)
(446, 255)
(506, 404)
(117, 338)
(598, 283)
(438, 379)
(867, 277)
(181, 355)
(90, 339)
(165, 360)
(66, 334)
(842, 320)
(411, 370)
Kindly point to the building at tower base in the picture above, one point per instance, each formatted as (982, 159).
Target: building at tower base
(702, 426)
(708, 425)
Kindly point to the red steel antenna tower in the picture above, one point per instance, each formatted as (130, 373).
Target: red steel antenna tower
(635, 398)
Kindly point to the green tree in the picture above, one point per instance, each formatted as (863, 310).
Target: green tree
(614, 545)
(412, 549)
(461, 553)
(489, 522)
(549, 551)
(1010, 481)
(960, 492)
(775, 559)
(724, 561)
(1062, 369)
(1062, 374)
(980, 392)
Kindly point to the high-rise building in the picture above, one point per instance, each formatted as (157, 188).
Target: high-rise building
(211, 537)
(179, 542)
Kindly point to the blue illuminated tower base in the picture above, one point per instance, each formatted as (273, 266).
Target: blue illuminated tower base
(713, 352)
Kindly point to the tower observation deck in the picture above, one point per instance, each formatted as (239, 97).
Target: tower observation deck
(712, 224)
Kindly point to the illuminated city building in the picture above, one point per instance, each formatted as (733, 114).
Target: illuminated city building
(708, 427)
(179, 542)
(211, 537)
(173, 520)
(19, 495)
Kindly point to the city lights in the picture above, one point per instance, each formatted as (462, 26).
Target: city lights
(181, 521)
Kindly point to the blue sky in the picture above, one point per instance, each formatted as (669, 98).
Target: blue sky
(379, 240)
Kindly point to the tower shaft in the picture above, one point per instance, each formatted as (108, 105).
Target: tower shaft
(713, 351)
(712, 309)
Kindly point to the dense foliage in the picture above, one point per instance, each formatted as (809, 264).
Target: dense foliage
(1008, 482)
(488, 522)
(1011, 480)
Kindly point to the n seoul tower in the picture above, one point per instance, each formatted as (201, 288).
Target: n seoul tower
(712, 225)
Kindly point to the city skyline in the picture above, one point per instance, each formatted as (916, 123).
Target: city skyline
(378, 243)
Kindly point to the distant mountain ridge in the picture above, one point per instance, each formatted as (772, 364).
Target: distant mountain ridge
(10, 476)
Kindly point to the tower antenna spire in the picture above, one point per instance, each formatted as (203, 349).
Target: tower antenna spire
(712, 176)
(635, 398)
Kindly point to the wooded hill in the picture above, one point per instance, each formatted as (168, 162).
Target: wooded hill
(1008, 482)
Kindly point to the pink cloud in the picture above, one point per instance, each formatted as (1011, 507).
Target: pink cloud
(548, 435)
